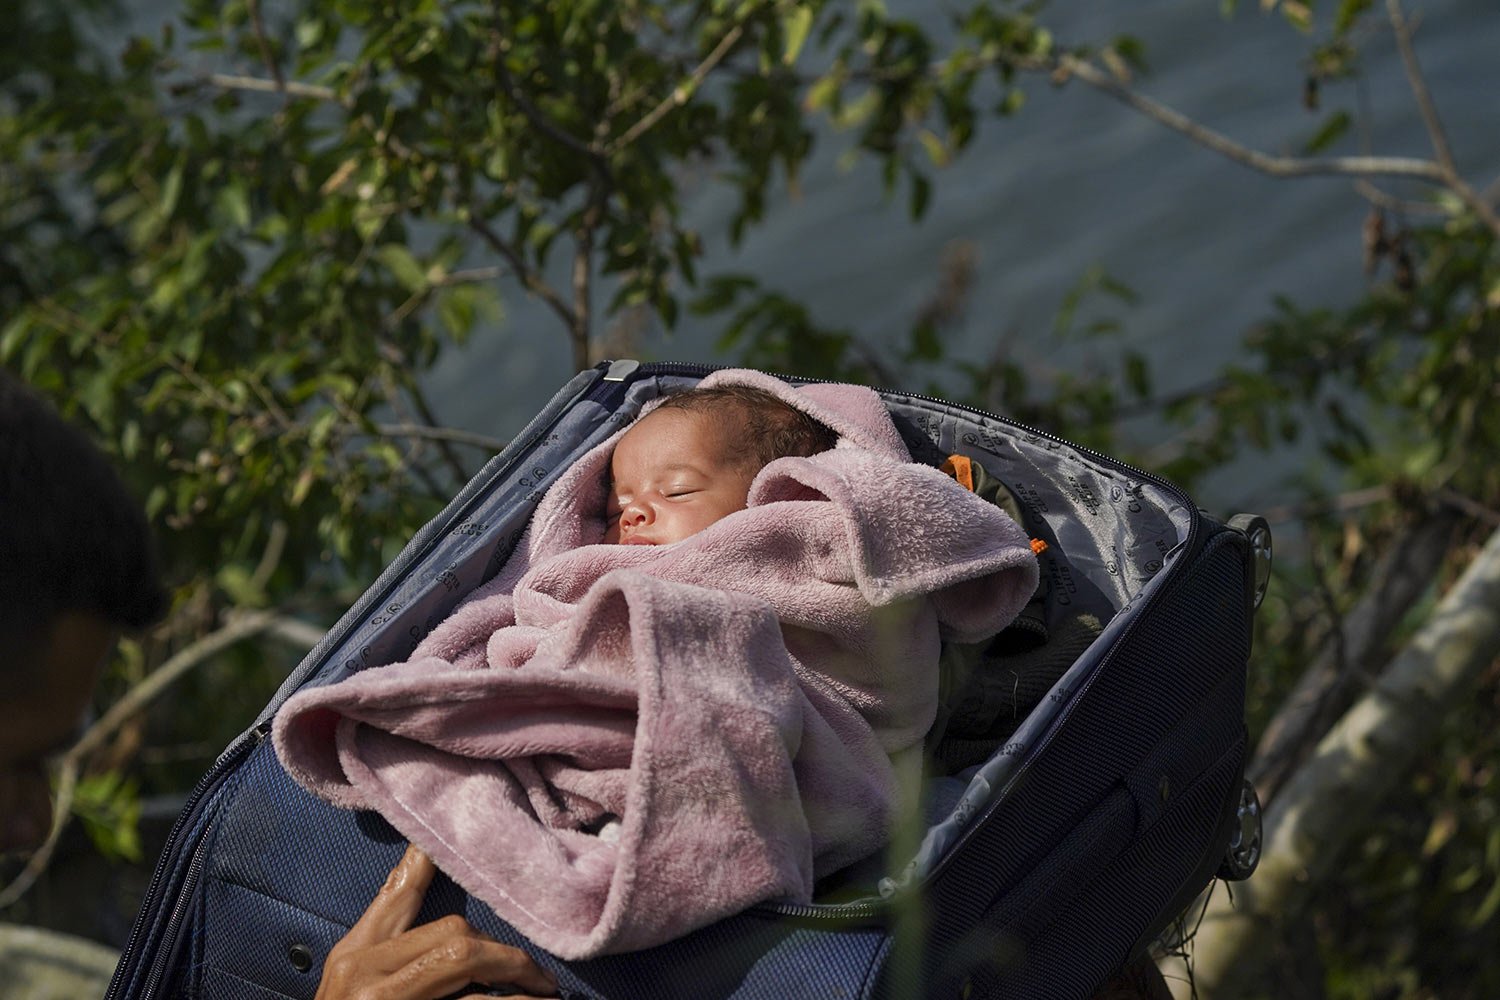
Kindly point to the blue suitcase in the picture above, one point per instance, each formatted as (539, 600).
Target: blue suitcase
(1064, 854)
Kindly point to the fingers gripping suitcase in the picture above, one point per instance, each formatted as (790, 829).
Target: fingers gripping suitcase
(1060, 854)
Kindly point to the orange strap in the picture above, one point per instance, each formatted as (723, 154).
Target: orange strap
(961, 468)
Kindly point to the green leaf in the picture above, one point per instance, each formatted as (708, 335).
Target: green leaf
(110, 808)
(239, 584)
(921, 195)
(937, 150)
(403, 265)
(309, 32)
(794, 28)
(171, 190)
(823, 94)
(1348, 13)
(233, 204)
(1137, 375)
(301, 488)
(1013, 101)
(1333, 128)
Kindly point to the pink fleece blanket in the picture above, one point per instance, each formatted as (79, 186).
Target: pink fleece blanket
(613, 745)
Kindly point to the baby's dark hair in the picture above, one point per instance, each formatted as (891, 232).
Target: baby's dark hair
(768, 427)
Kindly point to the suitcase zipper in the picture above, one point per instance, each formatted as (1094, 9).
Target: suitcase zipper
(873, 908)
(158, 887)
(189, 883)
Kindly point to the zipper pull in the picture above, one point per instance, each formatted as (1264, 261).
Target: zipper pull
(620, 371)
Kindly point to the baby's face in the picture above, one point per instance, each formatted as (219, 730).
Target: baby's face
(672, 475)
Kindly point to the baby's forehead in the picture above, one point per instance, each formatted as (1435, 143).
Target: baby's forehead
(667, 439)
(691, 427)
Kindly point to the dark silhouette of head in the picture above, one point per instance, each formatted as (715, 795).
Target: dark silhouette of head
(72, 539)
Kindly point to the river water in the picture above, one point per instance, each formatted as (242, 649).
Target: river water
(1076, 180)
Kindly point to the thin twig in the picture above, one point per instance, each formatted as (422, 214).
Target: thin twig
(529, 278)
(272, 407)
(62, 808)
(220, 400)
(445, 445)
(1467, 505)
(1352, 500)
(583, 263)
(1414, 79)
(394, 399)
(472, 275)
(259, 27)
(443, 434)
(294, 632)
(1384, 199)
(135, 700)
(535, 115)
(270, 558)
(292, 88)
(1369, 495)
(1491, 192)
(414, 301)
(1276, 166)
(682, 93)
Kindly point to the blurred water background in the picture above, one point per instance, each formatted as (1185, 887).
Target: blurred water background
(1076, 180)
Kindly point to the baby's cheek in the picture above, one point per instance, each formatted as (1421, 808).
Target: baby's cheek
(612, 533)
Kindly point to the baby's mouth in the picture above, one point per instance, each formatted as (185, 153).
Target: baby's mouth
(636, 540)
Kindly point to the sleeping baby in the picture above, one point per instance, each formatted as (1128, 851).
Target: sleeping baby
(719, 629)
(690, 461)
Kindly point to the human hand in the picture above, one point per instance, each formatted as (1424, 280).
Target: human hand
(384, 958)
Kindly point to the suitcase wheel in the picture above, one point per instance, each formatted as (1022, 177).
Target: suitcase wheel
(1243, 853)
(1255, 528)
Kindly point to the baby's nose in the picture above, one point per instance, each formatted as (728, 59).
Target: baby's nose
(635, 513)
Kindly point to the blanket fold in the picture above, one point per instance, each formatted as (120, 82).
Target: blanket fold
(614, 745)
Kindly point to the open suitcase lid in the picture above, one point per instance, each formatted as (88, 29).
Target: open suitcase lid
(1128, 537)
(1121, 529)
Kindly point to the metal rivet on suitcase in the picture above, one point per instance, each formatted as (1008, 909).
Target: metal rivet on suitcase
(301, 957)
(1164, 788)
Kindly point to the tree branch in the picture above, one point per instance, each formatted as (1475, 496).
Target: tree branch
(445, 443)
(270, 558)
(1418, 84)
(530, 280)
(682, 93)
(539, 120)
(583, 264)
(418, 298)
(292, 88)
(1276, 166)
(1400, 579)
(1439, 173)
(240, 627)
(259, 27)
(443, 434)
(1325, 804)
